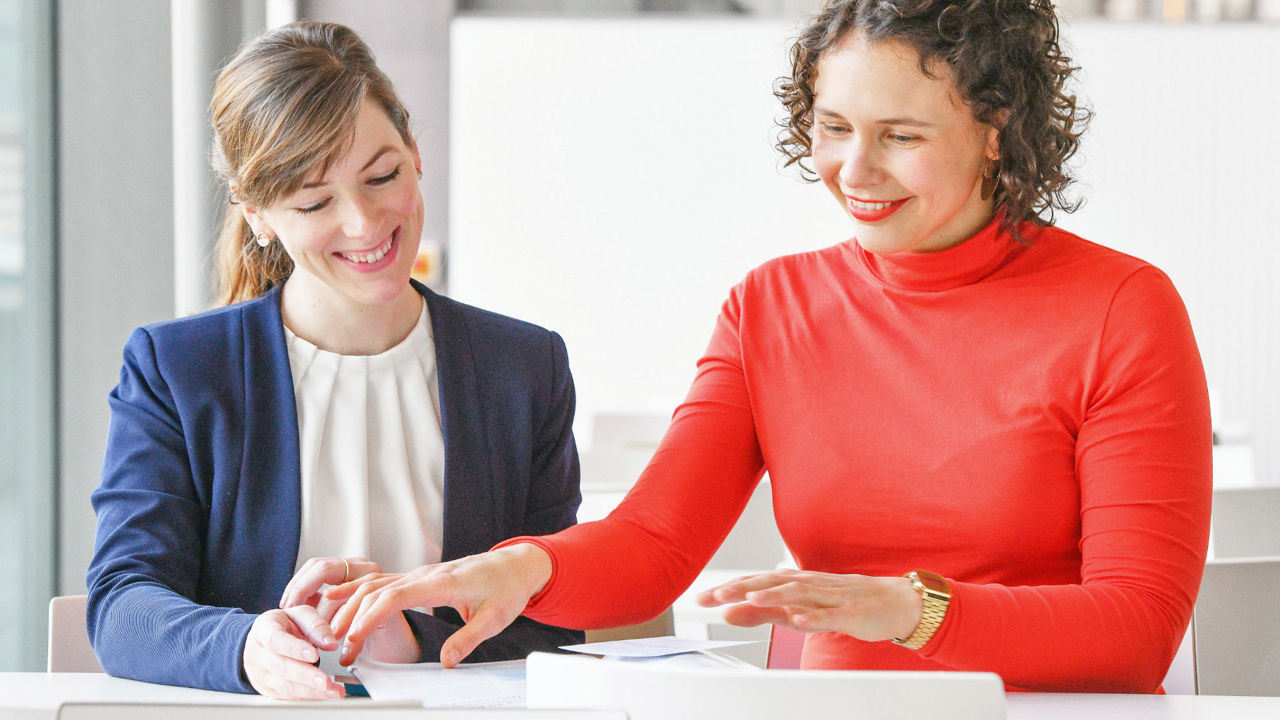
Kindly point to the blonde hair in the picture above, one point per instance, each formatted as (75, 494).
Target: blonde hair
(283, 107)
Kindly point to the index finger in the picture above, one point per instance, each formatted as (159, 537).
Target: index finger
(350, 594)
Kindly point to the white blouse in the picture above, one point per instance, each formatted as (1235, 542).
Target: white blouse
(372, 452)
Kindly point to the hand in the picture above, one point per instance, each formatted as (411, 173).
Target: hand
(868, 608)
(304, 587)
(394, 642)
(280, 650)
(489, 591)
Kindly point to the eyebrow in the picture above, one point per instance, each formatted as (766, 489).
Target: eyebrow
(886, 121)
(381, 151)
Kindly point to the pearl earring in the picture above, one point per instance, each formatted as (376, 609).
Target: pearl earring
(263, 239)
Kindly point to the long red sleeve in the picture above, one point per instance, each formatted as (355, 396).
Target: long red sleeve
(1030, 421)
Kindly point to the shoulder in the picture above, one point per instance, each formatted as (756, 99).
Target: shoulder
(493, 344)
(799, 273)
(207, 344)
(1084, 276)
(212, 326)
(485, 329)
(1055, 249)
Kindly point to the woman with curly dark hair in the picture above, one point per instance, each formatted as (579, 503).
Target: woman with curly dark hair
(988, 439)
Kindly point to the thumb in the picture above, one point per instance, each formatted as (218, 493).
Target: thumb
(460, 644)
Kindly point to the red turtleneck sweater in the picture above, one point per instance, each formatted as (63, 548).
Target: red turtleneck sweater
(1030, 421)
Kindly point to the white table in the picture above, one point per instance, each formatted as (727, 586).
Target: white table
(38, 695)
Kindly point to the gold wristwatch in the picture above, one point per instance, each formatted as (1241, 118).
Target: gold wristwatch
(935, 592)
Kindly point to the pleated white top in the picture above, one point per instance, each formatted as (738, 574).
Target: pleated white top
(372, 452)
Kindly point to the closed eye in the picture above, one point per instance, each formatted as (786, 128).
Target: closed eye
(313, 208)
(384, 179)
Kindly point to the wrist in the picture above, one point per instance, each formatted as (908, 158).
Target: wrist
(935, 598)
(533, 565)
(909, 605)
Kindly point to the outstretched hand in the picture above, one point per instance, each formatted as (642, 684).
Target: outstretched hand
(488, 590)
(868, 608)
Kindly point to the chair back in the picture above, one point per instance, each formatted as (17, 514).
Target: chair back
(785, 648)
(661, 626)
(1237, 627)
(1244, 522)
(69, 649)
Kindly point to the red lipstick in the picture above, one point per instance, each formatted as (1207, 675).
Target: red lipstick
(864, 215)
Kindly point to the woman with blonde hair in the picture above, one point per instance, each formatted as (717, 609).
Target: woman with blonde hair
(333, 418)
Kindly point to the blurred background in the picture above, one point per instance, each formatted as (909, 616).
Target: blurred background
(601, 167)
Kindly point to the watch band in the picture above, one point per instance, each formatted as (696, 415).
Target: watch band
(935, 594)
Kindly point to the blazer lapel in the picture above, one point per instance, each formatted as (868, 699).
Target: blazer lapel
(272, 468)
(467, 491)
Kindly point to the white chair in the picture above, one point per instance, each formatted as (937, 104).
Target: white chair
(1237, 628)
(69, 649)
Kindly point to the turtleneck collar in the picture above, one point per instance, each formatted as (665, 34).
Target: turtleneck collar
(964, 264)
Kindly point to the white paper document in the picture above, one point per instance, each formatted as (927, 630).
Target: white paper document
(651, 647)
(472, 685)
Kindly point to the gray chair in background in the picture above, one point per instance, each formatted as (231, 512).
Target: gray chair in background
(1246, 522)
(1237, 628)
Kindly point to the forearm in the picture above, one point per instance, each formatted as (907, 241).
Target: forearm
(143, 631)
(1060, 638)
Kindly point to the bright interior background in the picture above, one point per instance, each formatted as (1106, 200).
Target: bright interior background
(612, 181)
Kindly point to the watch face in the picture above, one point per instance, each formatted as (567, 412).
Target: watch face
(934, 583)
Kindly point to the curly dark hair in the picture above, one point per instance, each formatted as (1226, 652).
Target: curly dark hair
(1005, 58)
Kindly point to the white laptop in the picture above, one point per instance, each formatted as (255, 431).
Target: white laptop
(317, 711)
(659, 691)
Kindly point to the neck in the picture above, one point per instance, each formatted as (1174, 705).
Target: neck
(340, 325)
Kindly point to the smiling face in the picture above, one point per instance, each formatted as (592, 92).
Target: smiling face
(353, 234)
(898, 149)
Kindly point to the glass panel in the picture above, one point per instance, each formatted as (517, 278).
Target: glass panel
(27, 477)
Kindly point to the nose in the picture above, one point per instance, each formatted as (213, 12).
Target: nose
(860, 167)
(359, 216)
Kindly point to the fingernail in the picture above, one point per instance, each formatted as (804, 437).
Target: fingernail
(333, 693)
(321, 682)
(328, 638)
(451, 657)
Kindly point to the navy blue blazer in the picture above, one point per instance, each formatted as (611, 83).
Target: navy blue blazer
(199, 505)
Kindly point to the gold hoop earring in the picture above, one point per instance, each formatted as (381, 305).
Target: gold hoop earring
(990, 179)
(263, 239)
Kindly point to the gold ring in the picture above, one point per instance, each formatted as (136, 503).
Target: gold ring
(346, 570)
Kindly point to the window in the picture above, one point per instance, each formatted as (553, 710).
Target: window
(27, 330)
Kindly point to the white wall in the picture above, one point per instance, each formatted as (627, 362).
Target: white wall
(613, 178)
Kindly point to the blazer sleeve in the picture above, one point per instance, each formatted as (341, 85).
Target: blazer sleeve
(553, 498)
(142, 621)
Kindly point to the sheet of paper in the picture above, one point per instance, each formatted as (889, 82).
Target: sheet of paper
(651, 647)
(496, 684)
